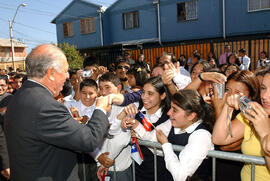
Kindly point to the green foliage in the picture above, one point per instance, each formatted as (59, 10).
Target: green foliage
(73, 56)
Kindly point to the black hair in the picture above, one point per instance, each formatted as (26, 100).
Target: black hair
(110, 77)
(250, 80)
(121, 61)
(206, 66)
(139, 73)
(242, 50)
(88, 83)
(90, 61)
(72, 72)
(67, 88)
(197, 55)
(192, 102)
(4, 77)
(18, 76)
(157, 83)
(237, 61)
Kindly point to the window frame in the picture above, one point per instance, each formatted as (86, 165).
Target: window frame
(69, 33)
(187, 20)
(256, 10)
(91, 29)
(124, 17)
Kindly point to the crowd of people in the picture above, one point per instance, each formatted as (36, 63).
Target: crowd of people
(63, 124)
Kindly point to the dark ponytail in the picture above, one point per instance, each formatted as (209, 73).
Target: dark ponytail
(191, 101)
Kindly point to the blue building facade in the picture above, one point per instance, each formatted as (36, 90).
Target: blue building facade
(142, 21)
(73, 14)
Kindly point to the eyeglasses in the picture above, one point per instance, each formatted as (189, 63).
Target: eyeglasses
(123, 67)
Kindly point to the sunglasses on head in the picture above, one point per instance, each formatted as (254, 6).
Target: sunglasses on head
(121, 67)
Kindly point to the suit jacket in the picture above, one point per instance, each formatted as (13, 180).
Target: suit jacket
(4, 163)
(42, 136)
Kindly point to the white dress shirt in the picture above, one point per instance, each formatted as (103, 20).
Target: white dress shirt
(190, 158)
(118, 146)
(245, 62)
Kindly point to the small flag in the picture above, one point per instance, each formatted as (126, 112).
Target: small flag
(146, 123)
(136, 152)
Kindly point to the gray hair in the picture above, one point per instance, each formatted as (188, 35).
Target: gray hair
(37, 64)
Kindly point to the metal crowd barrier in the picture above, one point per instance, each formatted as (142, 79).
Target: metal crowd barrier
(214, 154)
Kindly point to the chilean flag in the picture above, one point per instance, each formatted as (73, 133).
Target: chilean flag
(146, 123)
(136, 152)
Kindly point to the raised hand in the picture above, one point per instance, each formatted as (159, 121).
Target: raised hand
(259, 118)
(161, 137)
(104, 102)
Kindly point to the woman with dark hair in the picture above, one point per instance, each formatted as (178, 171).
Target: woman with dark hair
(263, 60)
(233, 59)
(189, 126)
(231, 68)
(136, 77)
(241, 83)
(211, 55)
(154, 106)
(244, 83)
(259, 116)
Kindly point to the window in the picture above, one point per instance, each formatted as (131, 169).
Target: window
(131, 20)
(254, 5)
(88, 25)
(68, 29)
(187, 11)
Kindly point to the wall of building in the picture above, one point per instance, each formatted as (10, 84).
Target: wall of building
(74, 13)
(207, 25)
(113, 21)
(241, 22)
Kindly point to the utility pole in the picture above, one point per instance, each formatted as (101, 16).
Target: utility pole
(11, 35)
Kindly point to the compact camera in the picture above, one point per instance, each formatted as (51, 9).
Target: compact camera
(86, 73)
(243, 104)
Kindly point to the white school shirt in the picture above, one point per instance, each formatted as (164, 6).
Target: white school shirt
(191, 157)
(82, 109)
(153, 119)
(118, 146)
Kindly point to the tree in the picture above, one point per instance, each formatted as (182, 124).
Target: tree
(75, 60)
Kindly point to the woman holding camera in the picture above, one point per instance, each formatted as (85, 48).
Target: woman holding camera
(241, 127)
(259, 116)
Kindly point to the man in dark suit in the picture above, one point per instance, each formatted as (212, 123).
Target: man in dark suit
(42, 136)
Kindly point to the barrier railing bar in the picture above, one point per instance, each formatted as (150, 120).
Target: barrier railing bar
(155, 163)
(216, 154)
(213, 169)
(252, 172)
(133, 170)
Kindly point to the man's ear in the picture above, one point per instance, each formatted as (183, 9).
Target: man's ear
(50, 74)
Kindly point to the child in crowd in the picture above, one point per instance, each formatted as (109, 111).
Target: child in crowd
(188, 126)
(86, 105)
(115, 148)
(136, 76)
(154, 106)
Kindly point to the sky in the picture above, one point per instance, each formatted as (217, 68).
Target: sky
(32, 23)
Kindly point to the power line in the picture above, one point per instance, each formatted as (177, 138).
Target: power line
(32, 39)
(28, 26)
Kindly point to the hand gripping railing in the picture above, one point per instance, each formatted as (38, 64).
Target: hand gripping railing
(215, 154)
